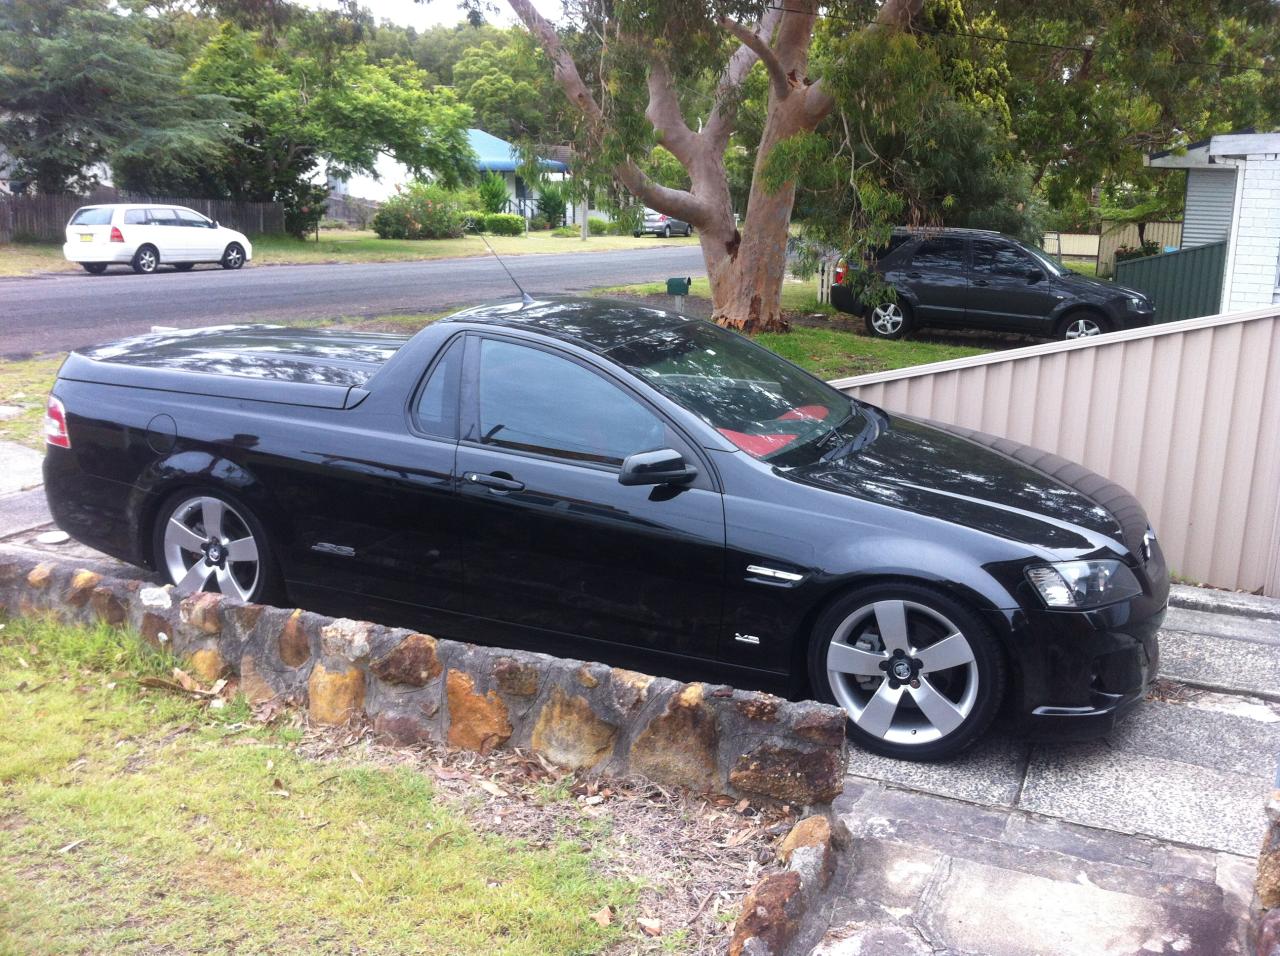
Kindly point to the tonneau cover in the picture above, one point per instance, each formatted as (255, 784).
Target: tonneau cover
(317, 367)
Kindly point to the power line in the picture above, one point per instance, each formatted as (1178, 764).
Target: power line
(1019, 41)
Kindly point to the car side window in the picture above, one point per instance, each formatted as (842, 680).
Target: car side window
(1000, 259)
(163, 217)
(436, 410)
(192, 219)
(531, 400)
(135, 217)
(940, 252)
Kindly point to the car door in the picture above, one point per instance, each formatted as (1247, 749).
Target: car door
(165, 232)
(199, 237)
(1008, 289)
(935, 279)
(554, 544)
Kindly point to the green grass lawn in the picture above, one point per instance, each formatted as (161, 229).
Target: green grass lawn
(353, 245)
(26, 384)
(136, 821)
(1084, 267)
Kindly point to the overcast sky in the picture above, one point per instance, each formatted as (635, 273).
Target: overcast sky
(437, 12)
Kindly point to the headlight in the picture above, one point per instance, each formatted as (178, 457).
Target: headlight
(1136, 303)
(1083, 584)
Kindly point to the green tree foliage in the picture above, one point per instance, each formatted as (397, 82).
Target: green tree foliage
(493, 192)
(420, 211)
(509, 87)
(80, 86)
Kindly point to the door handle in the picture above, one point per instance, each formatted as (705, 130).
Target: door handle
(913, 275)
(496, 482)
(981, 282)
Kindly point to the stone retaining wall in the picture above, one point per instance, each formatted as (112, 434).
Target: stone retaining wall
(1266, 928)
(413, 687)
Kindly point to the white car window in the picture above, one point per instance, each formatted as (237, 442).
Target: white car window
(192, 219)
(92, 216)
(135, 217)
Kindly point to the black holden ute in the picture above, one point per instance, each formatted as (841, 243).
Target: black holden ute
(974, 279)
(609, 481)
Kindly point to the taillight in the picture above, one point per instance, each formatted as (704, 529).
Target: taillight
(116, 234)
(55, 424)
(840, 270)
(662, 219)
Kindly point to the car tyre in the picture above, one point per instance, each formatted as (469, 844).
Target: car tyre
(688, 231)
(233, 256)
(890, 320)
(919, 675)
(94, 268)
(146, 260)
(1081, 324)
(666, 232)
(207, 540)
(637, 234)
(184, 266)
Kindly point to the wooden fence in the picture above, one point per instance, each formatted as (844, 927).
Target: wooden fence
(44, 218)
(1116, 236)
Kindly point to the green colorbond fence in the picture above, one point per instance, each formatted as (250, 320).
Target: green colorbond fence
(1183, 285)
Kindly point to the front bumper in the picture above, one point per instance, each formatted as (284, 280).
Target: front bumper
(1077, 672)
(1125, 319)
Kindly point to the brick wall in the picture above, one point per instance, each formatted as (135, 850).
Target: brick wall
(1253, 275)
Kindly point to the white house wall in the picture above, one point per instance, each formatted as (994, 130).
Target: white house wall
(1253, 265)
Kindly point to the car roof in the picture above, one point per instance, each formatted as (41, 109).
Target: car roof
(596, 324)
(948, 231)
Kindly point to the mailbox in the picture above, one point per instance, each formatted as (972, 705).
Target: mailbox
(678, 285)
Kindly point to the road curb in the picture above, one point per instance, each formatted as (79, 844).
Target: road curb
(1224, 602)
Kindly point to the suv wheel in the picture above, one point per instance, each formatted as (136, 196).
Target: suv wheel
(919, 675)
(205, 541)
(1081, 325)
(891, 320)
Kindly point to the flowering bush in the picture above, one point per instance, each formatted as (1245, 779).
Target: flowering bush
(420, 211)
(1149, 248)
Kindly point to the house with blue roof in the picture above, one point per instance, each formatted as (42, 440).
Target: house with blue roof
(492, 155)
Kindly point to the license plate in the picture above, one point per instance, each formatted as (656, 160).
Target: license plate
(86, 237)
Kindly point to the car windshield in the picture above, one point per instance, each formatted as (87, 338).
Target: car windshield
(764, 405)
(92, 216)
(1050, 265)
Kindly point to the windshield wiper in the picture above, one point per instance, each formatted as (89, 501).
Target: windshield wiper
(867, 434)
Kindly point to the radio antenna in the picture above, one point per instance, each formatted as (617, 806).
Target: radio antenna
(525, 298)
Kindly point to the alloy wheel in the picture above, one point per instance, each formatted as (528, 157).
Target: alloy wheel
(233, 258)
(1082, 327)
(208, 543)
(147, 260)
(903, 672)
(887, 319)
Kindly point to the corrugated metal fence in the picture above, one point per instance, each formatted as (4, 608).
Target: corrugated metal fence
(1185, 415)
(44, 218)
(1114, 236)
(1183, 285)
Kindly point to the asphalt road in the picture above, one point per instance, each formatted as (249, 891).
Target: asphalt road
(58, 312)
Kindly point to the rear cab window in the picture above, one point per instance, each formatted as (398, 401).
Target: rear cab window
(92, 216)
(940, 252)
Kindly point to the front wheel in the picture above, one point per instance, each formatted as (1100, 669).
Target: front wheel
(919, 676)
(206, 541)
(94, 268)
(1081, 325)
(666, 232)
(233, 257)
(892, 320)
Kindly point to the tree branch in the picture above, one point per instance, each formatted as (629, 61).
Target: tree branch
(752, 40)
(893, 15)
(720, 122)
(566, 71)
(665, 114)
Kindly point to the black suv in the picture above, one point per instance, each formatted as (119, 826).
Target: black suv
(971, 278)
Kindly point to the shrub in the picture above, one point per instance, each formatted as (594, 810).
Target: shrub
(627, 220)
(419, 211)
(538, 222)
(1149, 248)
(567, 232)
(551, 202)
(327, 223)
(493, 193)
(597, 226)
(504, 224)
(473, 220)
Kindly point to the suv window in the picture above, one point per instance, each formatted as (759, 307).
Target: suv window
(531, 400)
(163, 217)
(437, 410)
(1000, 259)
(193, 219)
(135, 217)
(92, 216)
(940, 252)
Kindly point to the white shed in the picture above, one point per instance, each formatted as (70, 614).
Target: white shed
(1233, 196)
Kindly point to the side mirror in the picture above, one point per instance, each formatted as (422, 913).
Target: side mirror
(214, 224)
(1034, 276)
(666, 466)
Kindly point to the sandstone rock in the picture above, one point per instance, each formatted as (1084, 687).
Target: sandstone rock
(821, 725)
(515, 677)
(10, 571)
(569, 733)
(586, 677)
(81, 587)
(156, 630)
(630, 688)
(346, 640)
(770, 917)
(334, 697)
(203, 611)
(761, 707)
(295, 646)
(809, 849)
(811, 831)
(406, 729)
(207, 664)
(679, 745)
(794, 776)
(108, 608)
(476, 721)
(40, 575)
(413, 662)
(253, 685)
(1268, 883)
(1266, 940)
(156, 597)
(244, 617)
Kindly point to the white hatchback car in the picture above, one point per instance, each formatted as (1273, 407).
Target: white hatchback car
(145, 236)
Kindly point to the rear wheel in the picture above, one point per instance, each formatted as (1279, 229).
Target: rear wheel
(94, 268)
(891, 320)
(666, 232)
(1082, 325)
(145, 260)
(207, 541)
(233, 257)
(918, 674)
(184, 266)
